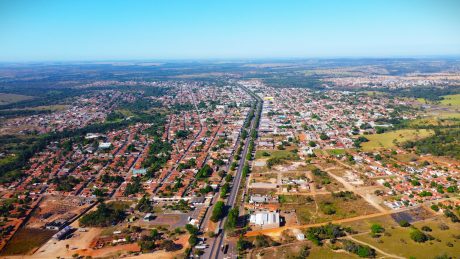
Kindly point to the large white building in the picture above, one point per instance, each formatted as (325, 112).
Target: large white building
(265, 219)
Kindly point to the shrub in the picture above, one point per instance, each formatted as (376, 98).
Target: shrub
(404, 223)
(376, 229)
(418, 236)
(426, 229)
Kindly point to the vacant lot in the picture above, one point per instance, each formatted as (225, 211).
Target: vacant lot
(294, 249)
(26, 240)
(324, 208)
(335, 152)
(389, 139)
(429, 249)
(285, 154)
(12, 98)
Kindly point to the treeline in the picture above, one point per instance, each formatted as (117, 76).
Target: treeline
(427, 92)
(49, 96)
(445, 142)
(16, 113)
(43, 97)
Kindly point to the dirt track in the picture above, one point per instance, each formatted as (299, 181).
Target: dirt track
(277, 231)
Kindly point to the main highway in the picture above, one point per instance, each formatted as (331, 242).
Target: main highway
(215, 251)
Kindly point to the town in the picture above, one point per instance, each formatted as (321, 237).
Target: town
(230, 167)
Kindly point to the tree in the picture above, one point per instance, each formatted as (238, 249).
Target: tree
(218, 211)
(452, 189)
(261, 241)
(418, 236)
(323, 136)
(193, 240)
(182, 134)
(204, 172)
(169, 245)
(243, 244)
(377, 229)
(224, 190)
(426, 229)
(191, 229)
(134, 187)
(144, 205)
(246, 170)
(404, 223)
(104, 216)
(360, 250)
(329, 231)
(232, 218)
(154, 234)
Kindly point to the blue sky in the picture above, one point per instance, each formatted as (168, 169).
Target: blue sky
(40, 30)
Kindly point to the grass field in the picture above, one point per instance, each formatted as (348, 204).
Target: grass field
(451, 100)
(407, 247)
(275, 153)
(317, 252)
(388, 139)
(27, 239)
(335, 152)
(12, 98)
(293, 250)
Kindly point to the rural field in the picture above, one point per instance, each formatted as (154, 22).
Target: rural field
(451, 100)
(12, 98)
(389, 139)
(444, 241)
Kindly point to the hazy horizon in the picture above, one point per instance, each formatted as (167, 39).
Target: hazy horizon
(182, 30)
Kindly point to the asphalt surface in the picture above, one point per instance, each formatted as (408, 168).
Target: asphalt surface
(215, 251)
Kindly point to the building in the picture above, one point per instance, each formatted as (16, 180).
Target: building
(265, 219)
(258, 199)
(105, 145)
(63, 233)
(148, 217)
(141, 171)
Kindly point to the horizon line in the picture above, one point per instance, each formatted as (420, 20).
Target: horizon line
(239, 59)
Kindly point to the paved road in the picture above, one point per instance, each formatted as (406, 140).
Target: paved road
(219, 240)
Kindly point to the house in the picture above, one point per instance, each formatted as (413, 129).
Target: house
(148, 217)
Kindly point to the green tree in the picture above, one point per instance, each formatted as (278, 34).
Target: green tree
(218, 211)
